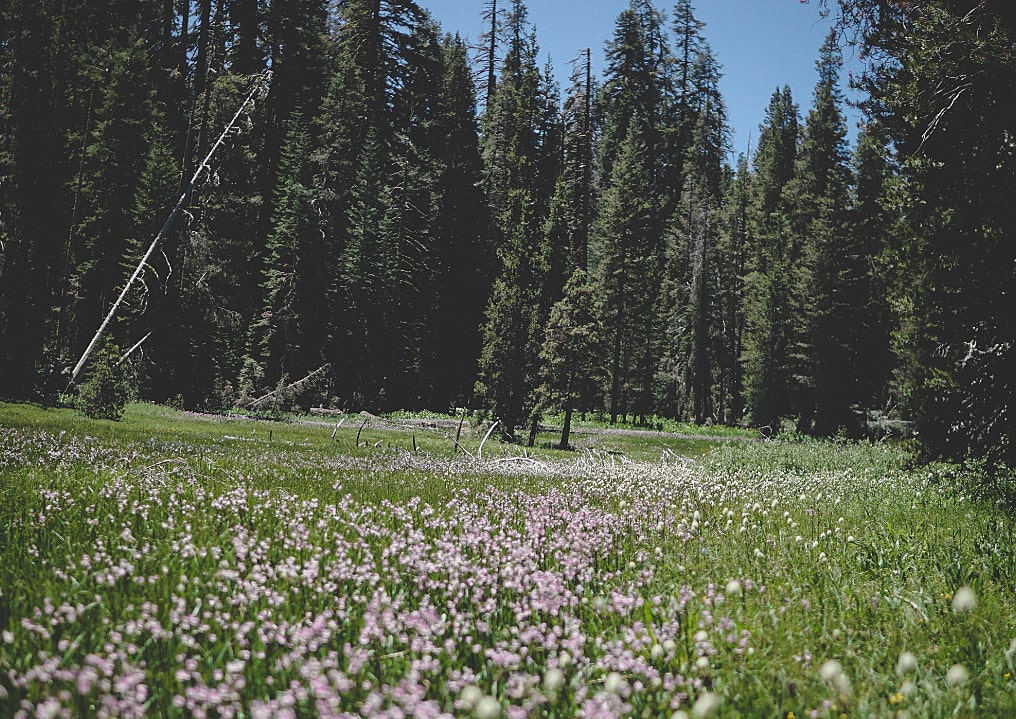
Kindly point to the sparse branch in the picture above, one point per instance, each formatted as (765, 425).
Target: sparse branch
(131, 350)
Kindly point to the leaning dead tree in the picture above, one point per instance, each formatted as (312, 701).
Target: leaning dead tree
(284, 393)
(260, 87)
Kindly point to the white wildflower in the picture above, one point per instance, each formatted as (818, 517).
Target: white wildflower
(964, 601)
(470, 696)
(706, 705)
(487, 708)
(906, 664)
(957, 675)
(553, 680)
(830, 670)
(615, 684)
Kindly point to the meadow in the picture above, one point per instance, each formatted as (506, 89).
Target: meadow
(177, 565)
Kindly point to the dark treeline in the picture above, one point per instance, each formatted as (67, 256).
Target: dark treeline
(437, 225)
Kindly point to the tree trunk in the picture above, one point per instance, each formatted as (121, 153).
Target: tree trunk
(615, 374)
(534, 427)
(566, 430)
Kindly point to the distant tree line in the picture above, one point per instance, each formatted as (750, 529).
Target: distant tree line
(436, 226)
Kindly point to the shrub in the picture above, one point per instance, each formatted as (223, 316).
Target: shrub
(106, 392)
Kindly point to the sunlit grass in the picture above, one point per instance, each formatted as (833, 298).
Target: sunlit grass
(176, 565)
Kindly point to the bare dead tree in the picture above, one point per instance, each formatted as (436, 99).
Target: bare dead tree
(260, 86)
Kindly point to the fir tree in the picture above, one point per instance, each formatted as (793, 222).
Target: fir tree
(827, 339)
(628, 260)
(105, 393)
(690, 51)
(732, 248)
(773, 281)
(573, 353)
(570, 214)
(462, 256)
(635, 90)
(512, 155)
(628, 239)
(693, 330)
(375, 117)
(940, 88)
(292, 330)
(872, 225)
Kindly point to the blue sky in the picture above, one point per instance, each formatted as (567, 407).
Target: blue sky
(761, 44)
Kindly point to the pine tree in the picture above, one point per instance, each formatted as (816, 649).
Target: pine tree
(704, 193)
(361, 306)
(487, 48)
(415, 199)
(375, 117)
(462, 257)
(44, 91)
(105, 393)
(82, 109)
(636, 87)
(942, 89)
(292, 329)
(773, 281)
(512, 144)
(628, 260)
(689, 300)
(570, 214)
(831, 308)
(871, 224)
(111, 174)
(628, 240)
(153, 313)
(732, 248)
(690, 48)
(573, 353)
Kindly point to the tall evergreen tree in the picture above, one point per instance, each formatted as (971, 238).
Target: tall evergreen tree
(462, 256)
(636, 86)
(30, 224)
(690, 48)
(828, 339)
(570, 214)
(689, 300)
(291, 328)
(627, 267)
(573, 353)
(373, 118)
(512, 154)
(732, 248)
(488, 46)
(941, 84)
(628, 240)
(774, 272)
(872, 225)
(111, 175)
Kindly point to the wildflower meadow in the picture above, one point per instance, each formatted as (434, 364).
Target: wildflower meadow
(179, 566)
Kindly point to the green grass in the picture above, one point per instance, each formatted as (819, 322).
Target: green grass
(663, 424)
(180, 565)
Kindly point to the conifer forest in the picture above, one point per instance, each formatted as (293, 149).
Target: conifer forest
(394, 219)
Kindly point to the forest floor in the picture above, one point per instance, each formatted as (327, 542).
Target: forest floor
(178, 565)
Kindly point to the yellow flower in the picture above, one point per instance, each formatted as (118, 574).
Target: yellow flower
(896, 698)
(790, 715)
